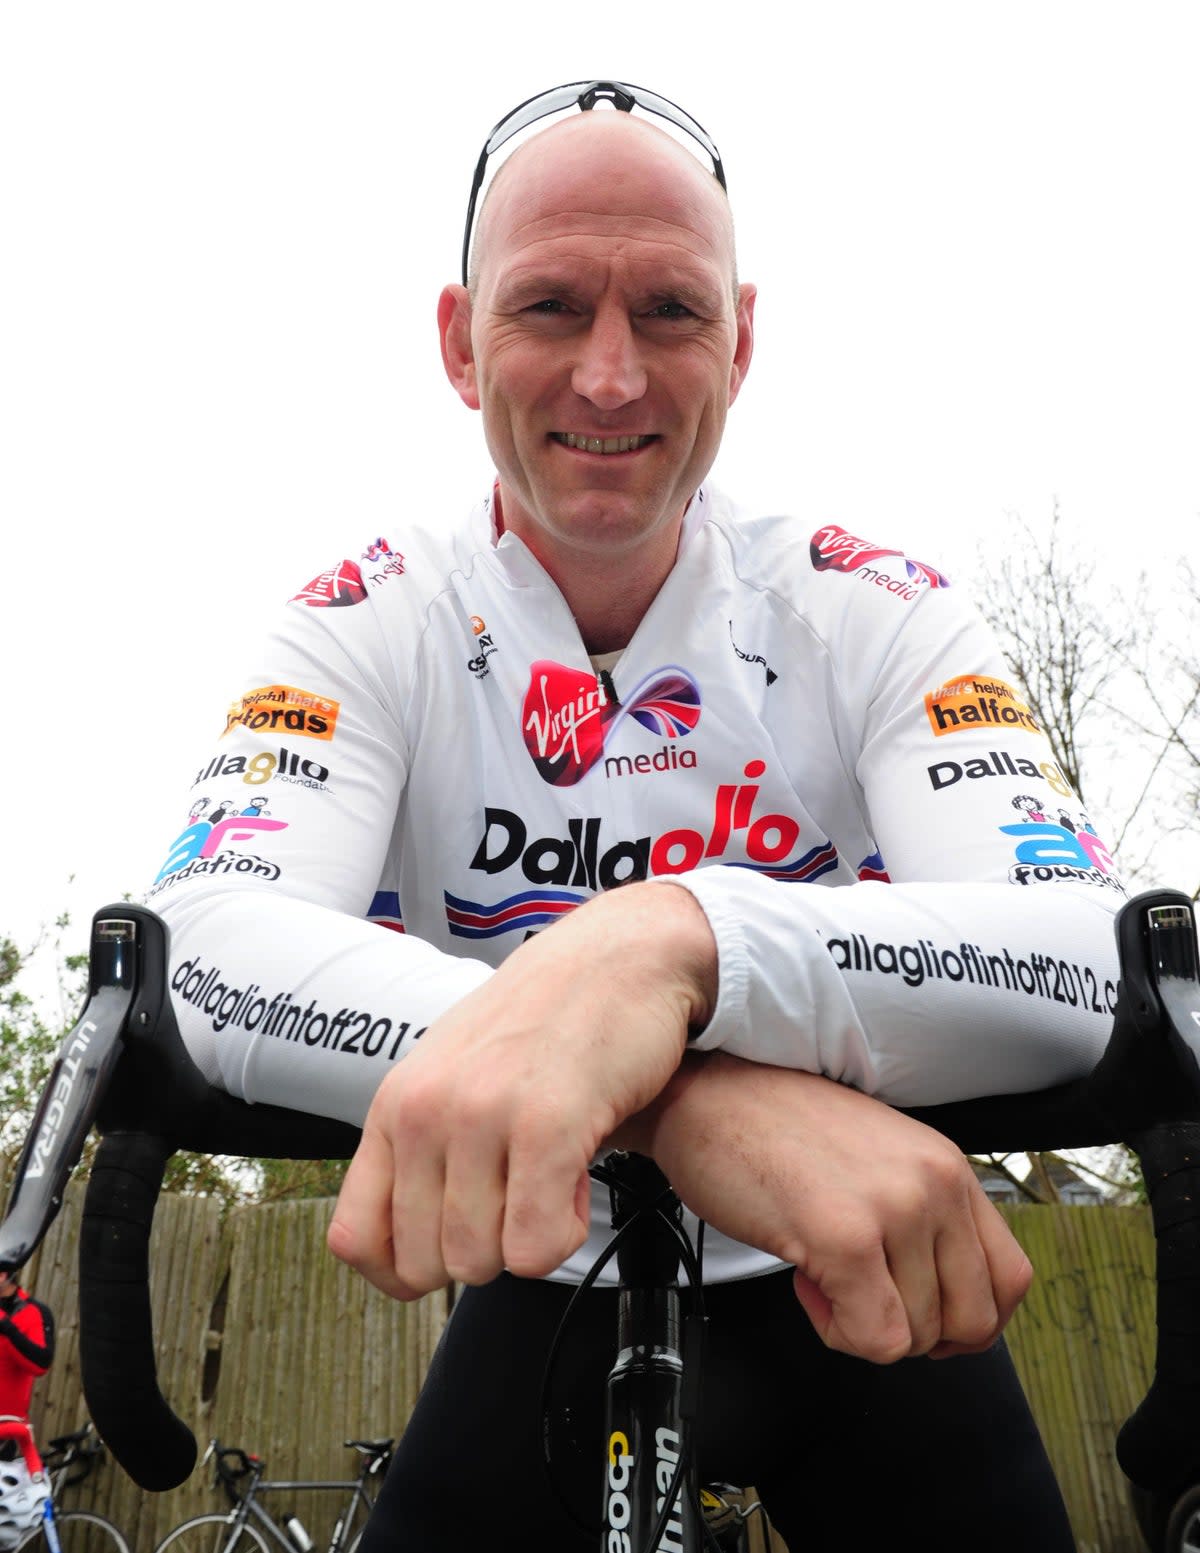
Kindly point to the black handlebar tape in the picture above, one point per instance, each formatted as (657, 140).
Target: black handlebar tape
(1158, 1446)
(116, 1329)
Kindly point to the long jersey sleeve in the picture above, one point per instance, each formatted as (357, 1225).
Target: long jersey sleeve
(813, 734)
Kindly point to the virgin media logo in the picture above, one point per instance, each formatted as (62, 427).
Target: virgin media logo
(568, 717)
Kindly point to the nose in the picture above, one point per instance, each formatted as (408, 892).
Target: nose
(609, 371)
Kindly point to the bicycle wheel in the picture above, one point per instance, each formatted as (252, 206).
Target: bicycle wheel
(1183, 1526)
(79, 1531)
(211, 1534)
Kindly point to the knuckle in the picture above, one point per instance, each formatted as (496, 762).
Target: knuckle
(890, 1346)
(977, 1331)
(345, 1243)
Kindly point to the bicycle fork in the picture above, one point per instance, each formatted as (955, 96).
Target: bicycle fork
(645, 1402)
(643, 1438)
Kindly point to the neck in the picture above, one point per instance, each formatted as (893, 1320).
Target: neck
(607, 608)
(608, 593)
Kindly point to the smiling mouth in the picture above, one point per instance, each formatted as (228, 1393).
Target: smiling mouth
(571, 439)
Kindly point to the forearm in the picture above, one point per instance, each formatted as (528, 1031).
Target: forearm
(918, 993)
(285, 1002)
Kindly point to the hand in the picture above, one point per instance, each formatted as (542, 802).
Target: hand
(897, 1248)
(475, 1149)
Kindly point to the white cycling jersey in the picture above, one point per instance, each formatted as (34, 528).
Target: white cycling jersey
(813, 734)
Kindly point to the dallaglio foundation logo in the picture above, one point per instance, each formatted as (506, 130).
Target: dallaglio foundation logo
(568, 716)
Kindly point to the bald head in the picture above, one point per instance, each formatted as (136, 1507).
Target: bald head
(634, 168)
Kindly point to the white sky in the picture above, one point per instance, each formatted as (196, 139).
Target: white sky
(225, 227)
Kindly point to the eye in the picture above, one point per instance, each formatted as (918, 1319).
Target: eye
(670, 311)
(547, 307)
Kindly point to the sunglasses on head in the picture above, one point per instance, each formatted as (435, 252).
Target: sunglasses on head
(584, 95)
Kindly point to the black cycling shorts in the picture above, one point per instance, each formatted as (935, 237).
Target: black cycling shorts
(846, 1455)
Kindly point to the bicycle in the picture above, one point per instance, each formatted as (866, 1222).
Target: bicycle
(124, 1066)
(242, 1528)
(69, 1459)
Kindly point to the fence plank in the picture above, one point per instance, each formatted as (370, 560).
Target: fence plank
(1083, 1344)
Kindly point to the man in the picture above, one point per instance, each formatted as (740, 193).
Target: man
(26, 1345)
(26, 1352)
(609, 676)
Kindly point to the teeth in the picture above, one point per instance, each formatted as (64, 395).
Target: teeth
(600, 444)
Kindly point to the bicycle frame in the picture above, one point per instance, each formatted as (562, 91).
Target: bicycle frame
(342, 1530)
(245, 1506)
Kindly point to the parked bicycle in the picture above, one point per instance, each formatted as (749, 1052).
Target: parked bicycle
(69, 1459)
(247, 1524)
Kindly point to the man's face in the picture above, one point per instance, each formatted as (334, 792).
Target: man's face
(605, 344)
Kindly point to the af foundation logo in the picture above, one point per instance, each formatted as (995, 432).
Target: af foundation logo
(206, 847)
(833, 549)
(1065, 850)
(569, 717)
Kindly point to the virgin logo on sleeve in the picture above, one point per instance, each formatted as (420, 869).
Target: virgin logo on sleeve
(344, 584)
(339, 586)
(568, 716)
(832, 549)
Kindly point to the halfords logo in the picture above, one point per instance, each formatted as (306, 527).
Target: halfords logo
(976, 702)
(568, 716)
(284, 709)
(579, 859)
(832, 548)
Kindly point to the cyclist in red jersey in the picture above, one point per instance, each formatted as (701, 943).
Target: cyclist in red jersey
(26, 1353)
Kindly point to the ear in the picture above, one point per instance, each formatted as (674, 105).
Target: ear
(458, 356)
(744, 348)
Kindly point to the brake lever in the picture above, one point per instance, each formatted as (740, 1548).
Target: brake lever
(73, 1094)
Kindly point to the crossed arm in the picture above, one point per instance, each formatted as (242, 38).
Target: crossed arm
(475, 1149)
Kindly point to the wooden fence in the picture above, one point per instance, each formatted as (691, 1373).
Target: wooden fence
(266, 1342)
